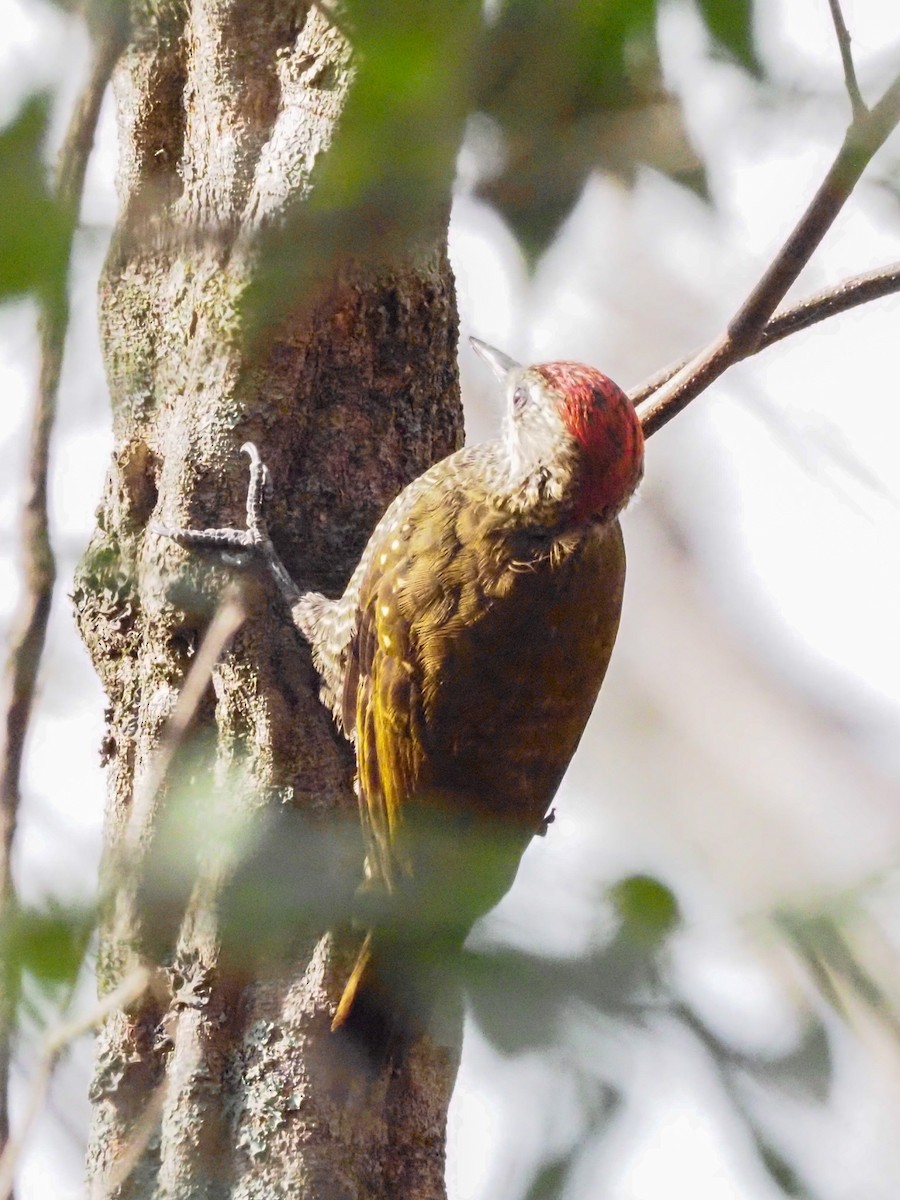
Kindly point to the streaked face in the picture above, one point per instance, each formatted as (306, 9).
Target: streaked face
(574, 423)
(599, 416)
(534, 429)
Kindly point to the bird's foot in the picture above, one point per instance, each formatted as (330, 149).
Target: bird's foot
(237, 545)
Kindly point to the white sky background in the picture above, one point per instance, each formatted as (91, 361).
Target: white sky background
(783, 479)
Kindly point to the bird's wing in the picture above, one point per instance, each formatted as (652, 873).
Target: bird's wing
(382, 701)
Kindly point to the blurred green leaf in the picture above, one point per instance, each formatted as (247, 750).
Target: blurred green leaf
(599, 1108)
(575, 87)
(696, 180)
(730, 24)
(383, 190)
(647, 908)
(614, 981)
(779, 1168)
(48, 943)
(34, 231)
(827, 950)
(295, 875)
(516, 997)
(98, 10)
(570, 88)
(551, 1178)
(806, 1068)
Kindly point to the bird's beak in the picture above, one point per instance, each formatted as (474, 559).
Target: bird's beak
(501, 364)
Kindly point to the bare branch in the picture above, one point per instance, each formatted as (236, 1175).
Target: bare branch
(857, 104)
(863, 139)
(742, 337)
(129, 990)
(38, 567)
(850, 293)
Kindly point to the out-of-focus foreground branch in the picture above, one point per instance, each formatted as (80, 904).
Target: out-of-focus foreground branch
(56, 1043)
(38, 567)
(222, 630)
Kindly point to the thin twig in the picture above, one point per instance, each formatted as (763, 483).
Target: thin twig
(141, 1133)
(850, 293)
(857, 104)
(864, 137)
(228, 619)
(130, 989)
(38, 567)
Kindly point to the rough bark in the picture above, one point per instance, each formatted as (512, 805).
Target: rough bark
(221, 1082)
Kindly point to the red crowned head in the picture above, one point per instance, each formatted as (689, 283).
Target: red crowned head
(603, 422)
(573, 437)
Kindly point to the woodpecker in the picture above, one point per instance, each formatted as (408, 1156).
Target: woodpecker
(463, 661)
(467, 651)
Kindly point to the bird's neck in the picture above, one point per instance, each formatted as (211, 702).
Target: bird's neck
(542, 492)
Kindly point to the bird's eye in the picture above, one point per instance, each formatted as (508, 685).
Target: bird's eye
(520, 398)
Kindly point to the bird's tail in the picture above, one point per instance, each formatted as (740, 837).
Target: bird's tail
(386, 1000)
(361, 968)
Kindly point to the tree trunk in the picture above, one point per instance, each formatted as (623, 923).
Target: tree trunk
(222, 1081)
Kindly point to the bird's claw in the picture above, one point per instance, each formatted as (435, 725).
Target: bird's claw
(238, 545)
(235, 545)
(546, 823)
